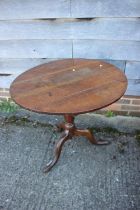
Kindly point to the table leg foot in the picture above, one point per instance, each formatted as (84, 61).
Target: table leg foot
(88, 134)
(57, 152)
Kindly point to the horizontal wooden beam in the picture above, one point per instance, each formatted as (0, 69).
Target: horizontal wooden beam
(34, 9)
(114, 50)
(98, 28)
(69, 8)
(36, 49)
(95, 49)
(106, 8)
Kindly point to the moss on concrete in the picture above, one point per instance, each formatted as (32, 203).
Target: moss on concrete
(108, 130)
(138, 136)
(25, 120)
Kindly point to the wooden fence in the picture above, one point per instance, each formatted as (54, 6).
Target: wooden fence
(35, 32)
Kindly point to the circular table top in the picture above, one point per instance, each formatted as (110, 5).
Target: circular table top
(69, 86)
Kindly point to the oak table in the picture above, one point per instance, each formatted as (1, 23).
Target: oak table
(69, 87)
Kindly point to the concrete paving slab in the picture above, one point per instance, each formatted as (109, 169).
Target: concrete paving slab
(126, 124)
(86, 176)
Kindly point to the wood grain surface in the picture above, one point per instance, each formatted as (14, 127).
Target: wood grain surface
(69, 86)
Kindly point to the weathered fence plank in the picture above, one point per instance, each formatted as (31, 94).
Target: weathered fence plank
(97, 49)
(106, 8)
(30, 9)
(133, 88)
(117, 50)
(36, 49)
(100, 28)
(35, 32)
(5, 81)
(17, 66)
(132, 70)
(61, 8)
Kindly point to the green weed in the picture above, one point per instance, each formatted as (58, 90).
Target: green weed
(138, 136)
(109, 113)
(8, 106)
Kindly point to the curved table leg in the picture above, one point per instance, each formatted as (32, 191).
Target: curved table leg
(88, 134)
(57, 151)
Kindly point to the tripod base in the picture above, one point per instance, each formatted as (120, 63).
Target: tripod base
(70, 130)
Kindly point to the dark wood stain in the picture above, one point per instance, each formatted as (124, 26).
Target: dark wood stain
(69, 86)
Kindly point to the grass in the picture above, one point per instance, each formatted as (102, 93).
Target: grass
(109, 113)
(8, 106)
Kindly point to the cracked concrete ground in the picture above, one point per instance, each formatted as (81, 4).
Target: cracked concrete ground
(86, 177)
